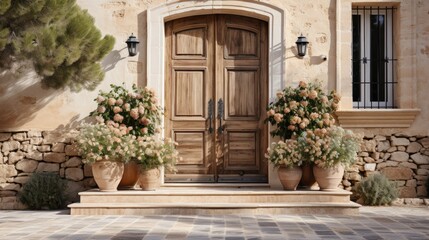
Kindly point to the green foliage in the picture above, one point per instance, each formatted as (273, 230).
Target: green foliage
(377, 190)
(58, 37)
(44, 191)
(427, 186)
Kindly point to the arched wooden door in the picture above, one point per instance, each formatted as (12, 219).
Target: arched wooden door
(216, 94)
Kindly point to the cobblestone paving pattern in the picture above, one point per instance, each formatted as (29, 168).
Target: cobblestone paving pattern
(373, 223)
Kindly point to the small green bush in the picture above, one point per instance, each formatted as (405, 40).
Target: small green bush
(427, 186)
(44, 191)
(377, 190)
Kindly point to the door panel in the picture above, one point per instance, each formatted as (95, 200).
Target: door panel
(209, 58)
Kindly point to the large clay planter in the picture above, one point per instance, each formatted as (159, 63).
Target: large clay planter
(289, 177)
(130, 177)
(107, 174)
(308, 181)
(329, 178)
(149, 179)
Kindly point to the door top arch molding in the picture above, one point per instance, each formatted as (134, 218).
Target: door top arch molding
(158, 15)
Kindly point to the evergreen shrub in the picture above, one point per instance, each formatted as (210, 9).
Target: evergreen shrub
(377, 190)
(44, 191)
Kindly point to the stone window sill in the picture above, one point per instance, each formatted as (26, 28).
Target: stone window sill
(377, 118)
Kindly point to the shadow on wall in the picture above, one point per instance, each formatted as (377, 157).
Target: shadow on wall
(109, 62)
(22, 95)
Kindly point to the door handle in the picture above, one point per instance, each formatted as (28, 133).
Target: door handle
(210, 113)
(220, 113)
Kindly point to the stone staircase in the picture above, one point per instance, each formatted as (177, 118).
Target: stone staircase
(205, 199)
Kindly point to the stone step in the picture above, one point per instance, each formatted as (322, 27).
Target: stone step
(196, 208)
(215, 195)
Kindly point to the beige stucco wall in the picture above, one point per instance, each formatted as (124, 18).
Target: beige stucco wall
(25, 105)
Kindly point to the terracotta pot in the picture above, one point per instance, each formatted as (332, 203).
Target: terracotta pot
(150, 179)
(107, 174)
(329, 178)
(130, 177)
(308, 181)
(289, 177)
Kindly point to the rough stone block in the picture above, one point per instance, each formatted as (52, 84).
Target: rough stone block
(346, 183)
(369, 159)
(422, 172)
(380, 138)
(398, 202)
(10, 146)
(420, 177)
(19, 136)
(36, 140)
(353, 176)
(44, 148)
(9, 187)
(387, 164)
(424, 166)
(392, 149)
(32, 134)
(87, 170)
(414, 201)
(383, 146)
(368, 146)
(8, 199)
(420, 159)
(399, 183)
(424, 142)
(62, 172)
(422, 191)
(73, 162)
(53, 137)
(15, 157)
(408, 165)
(7, 171)
(399, 156)
(26, 165)
(75, 174)
(401, 148)
(58, 147)
(48, 167)
(370, 166)
(407, 192)
(54, 157)
(5, 136)
(21, 179)
(399, 141)
(363, 154)
(411, 183)
(397, 173)
(36, 155)
(72, 150)
(7, 193)
(414, 147)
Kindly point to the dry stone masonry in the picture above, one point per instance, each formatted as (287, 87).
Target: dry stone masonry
(24, 153)
(401, 158)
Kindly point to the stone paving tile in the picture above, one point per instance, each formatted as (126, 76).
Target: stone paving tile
(373, 223)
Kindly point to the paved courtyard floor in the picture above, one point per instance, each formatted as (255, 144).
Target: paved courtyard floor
(372, 223)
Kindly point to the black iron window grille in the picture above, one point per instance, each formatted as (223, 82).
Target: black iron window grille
(373, 60)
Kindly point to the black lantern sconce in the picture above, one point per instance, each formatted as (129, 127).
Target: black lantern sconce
(132, 45)
(301, 44)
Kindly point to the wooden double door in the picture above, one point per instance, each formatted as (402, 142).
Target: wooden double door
(216, 95)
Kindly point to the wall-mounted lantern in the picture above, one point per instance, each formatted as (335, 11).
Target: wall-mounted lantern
(301, 44)
(132, 45)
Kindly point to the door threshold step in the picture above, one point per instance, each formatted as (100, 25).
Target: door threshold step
(349, 208)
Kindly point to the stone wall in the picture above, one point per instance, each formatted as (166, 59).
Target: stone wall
(401, 158)
(23, 153)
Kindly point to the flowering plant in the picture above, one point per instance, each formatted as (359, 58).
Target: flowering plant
(296, 110)
(286, 153)
(328, 147)
(137, 110)
(102, 142)
(152, 152)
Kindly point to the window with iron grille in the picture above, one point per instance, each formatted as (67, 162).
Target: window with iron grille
(373, 57)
